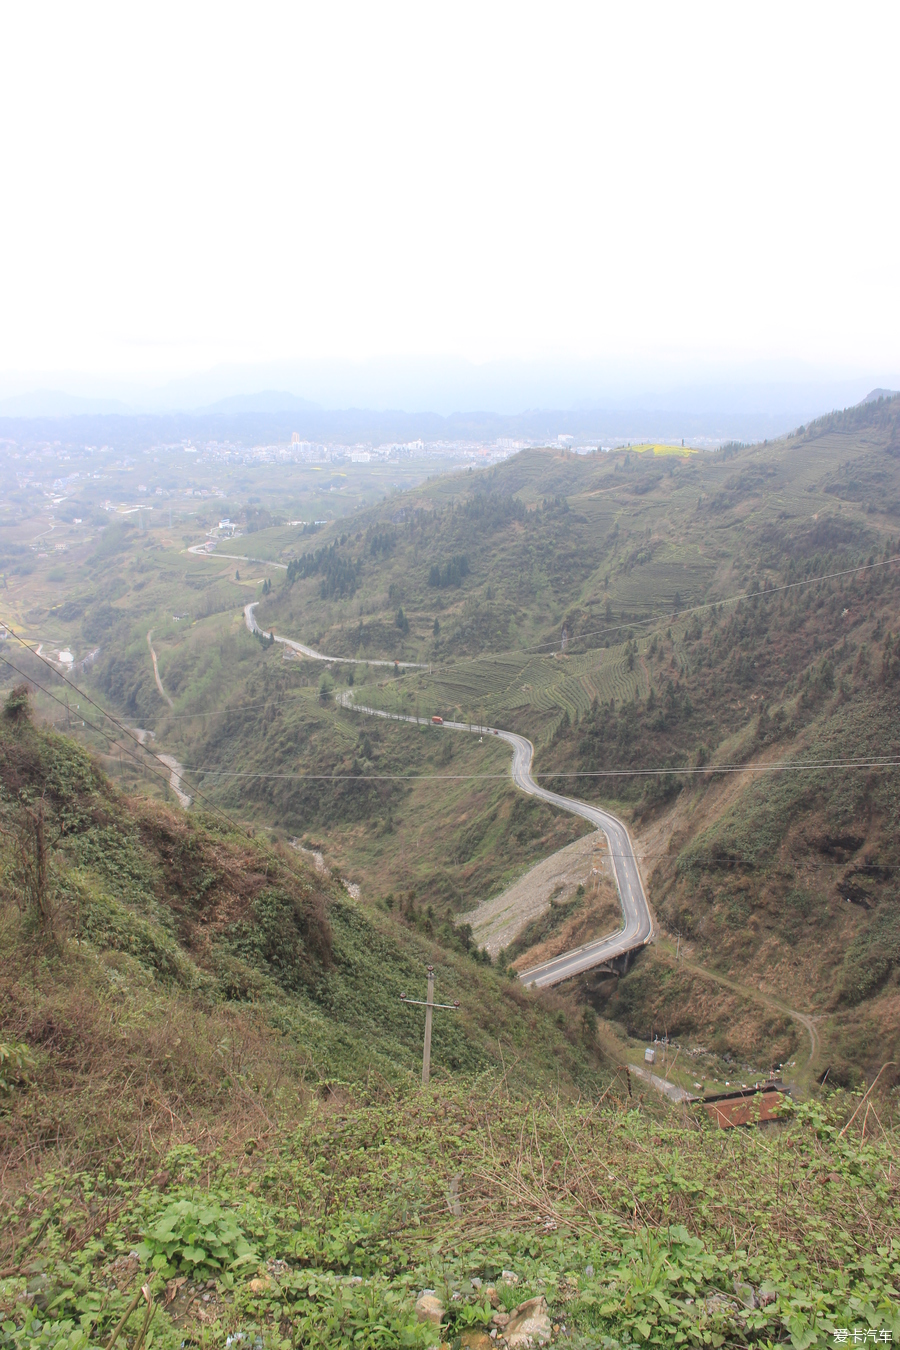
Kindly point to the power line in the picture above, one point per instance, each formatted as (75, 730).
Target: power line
(212, 806)
(537, 648)
(93, 726)
(217, 810)
(800, 766)
(606, 853)
(80, 692)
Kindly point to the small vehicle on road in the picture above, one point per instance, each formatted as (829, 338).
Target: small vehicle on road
(438, 721)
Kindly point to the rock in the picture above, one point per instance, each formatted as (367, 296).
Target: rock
(499, 1319)
(476, 1340)
(720, 1303)
(492, 1296)
(429, 1308)
(746, 1294)
(529, 1325)
(38, 1291)
(263, 1284)
(509, 1276)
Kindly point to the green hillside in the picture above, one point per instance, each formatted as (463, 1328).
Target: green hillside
(592, 602)
(211, 1127)
(575, 619)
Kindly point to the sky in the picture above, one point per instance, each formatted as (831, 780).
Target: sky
(678, 190)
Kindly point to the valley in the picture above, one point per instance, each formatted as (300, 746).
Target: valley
(697, 653)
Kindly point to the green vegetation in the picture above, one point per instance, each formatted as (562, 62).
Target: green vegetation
(209, 1089)
(208, 1080)
(564, 609)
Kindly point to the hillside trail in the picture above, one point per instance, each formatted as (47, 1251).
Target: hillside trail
(176, 770)
(156, 676)
(806, 1020)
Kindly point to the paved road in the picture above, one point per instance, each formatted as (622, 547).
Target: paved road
(313, 655)
(205, 551)
(637, 927)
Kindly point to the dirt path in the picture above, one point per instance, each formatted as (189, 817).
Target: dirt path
(159, 683)
(805, 1020)
(176, 770)
(208, 550)
(670, 1090)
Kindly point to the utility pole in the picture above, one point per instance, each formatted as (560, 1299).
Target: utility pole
(429, 1005)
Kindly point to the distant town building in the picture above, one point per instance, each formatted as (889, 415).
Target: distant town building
(566, 442)
(295, 439)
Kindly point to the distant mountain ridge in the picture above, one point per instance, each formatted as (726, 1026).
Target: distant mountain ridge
(55, 403)
(700, 414)
(266, 401)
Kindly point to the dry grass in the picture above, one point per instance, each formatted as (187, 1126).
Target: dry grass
(121, 1072)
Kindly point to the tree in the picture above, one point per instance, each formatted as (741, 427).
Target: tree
(402, 621)
(437, 628)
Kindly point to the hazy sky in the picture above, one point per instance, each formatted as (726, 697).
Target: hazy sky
(190, 184)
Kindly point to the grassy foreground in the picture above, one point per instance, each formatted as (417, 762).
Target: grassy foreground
(638, 1228)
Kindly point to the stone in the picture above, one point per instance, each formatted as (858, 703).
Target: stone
(429, 1308)
(499, 1319)
(475, 1340)
(529, 1325)
(264, 1284)
(720, 1303)
(492, 1296)
(509, 1276)
(746, 1294)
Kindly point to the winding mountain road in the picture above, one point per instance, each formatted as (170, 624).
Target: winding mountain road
(637, 927)
(313, 655)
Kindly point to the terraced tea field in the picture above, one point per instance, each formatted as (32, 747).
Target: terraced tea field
(497, 690)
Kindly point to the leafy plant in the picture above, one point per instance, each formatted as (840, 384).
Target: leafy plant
(196, 1235)
(16, 1063)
